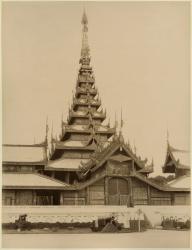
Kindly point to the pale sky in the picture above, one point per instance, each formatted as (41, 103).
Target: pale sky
(141, 60)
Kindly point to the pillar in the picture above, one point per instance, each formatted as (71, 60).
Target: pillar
(106, 190)
(131, 204)
(61, 198)
(88, 196)
(34, 197)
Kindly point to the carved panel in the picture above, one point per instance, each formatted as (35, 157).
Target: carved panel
(117, 168)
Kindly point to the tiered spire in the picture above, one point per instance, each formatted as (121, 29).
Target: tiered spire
(84, 124)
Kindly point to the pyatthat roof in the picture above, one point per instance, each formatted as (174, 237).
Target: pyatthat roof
(30, 180)
(23, 153)
(181, 182)
(65, 164)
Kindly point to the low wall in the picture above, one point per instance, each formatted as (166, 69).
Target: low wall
(89, 213)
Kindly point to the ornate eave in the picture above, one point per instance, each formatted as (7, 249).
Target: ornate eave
(86, 102)
(86, 146)
(81, 90)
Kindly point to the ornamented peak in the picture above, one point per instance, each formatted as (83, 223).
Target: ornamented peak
(85, 57)
(84, 19)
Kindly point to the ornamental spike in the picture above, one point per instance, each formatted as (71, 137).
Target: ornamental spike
(46, 131)
(85, 57)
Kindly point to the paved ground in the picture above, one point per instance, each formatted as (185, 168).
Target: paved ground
(150, 238)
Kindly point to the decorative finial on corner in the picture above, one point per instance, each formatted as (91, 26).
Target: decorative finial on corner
(52, 131)
(108, 123)
(116, 122)
(167, 135)
(62, 124)
(135, 149)
(121, 118)
(46, 129)
(168, 144)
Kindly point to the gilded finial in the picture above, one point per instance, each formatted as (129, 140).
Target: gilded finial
(46, 132)
(135, 149)
(85, 57)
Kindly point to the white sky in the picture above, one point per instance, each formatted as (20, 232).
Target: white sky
(140, 56)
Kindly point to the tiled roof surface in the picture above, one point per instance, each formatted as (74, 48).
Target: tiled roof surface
(66, 163)
(24, 153)
(30, 180)
(181, 182)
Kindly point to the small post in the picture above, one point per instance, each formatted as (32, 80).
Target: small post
(139, 212)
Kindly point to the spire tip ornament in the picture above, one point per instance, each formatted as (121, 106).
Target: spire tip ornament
(84, 20)
(85, 57)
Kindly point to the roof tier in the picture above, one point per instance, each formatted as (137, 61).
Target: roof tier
(28, 154)
(84, 90)
(85, 78)
(66, 164)
(22, 180)
(86, 129)
(86, 102)
(181, 182)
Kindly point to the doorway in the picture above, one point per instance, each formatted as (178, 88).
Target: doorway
(118, 192)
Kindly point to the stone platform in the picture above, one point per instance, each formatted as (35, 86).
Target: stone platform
(89, 213)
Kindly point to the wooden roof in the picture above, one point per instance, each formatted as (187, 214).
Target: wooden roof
(29, 180)
(29, 154)
(181, 182)
(65, 164)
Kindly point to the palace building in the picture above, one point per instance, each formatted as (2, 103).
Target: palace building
(90, 164)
